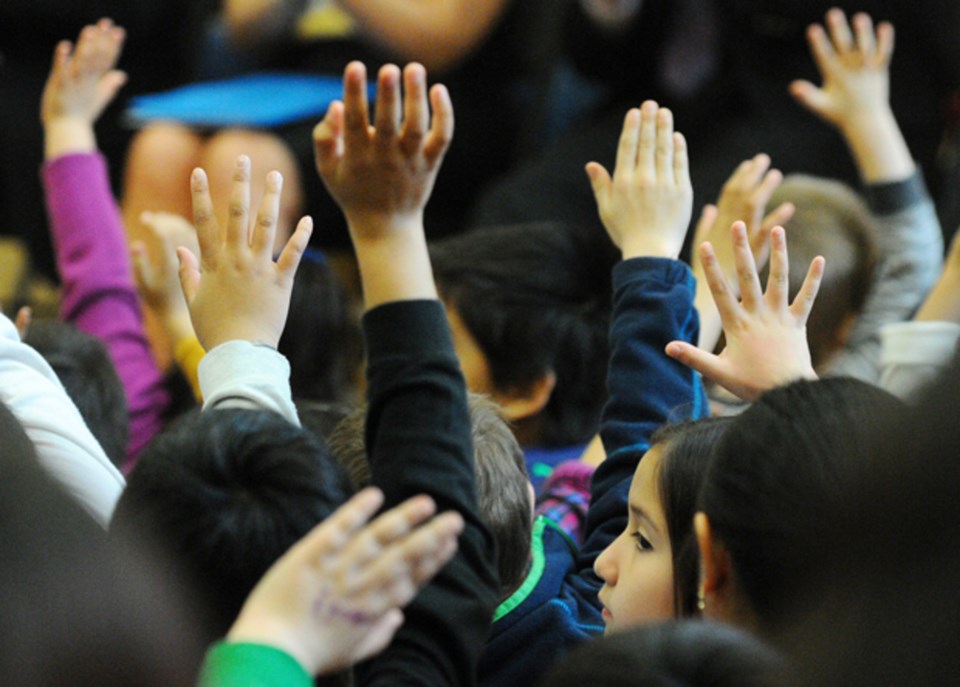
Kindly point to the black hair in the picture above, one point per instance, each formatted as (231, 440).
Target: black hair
(536, 297)
(883, 607)
(503, 496)
(74, 608)
(777, 476)
(226, 493)
(87, 373)
(689, 653)
(686, 448)
(321, 338)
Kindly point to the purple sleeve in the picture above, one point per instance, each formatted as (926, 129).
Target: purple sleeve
(99, 295)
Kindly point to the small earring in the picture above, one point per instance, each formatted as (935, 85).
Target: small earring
(701, 599)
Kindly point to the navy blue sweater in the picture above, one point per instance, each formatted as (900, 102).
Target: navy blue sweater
(557, 606)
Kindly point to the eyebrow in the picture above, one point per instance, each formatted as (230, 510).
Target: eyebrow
(642, 515)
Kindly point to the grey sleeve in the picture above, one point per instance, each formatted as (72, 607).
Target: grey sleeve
(910, 248)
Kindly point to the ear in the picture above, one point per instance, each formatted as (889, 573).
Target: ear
(845, 330)
(715, 571)
(521, 403)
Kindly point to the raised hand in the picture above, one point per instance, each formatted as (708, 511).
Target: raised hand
(155, 267)
(854, 64)
(335, 597)
(766, 336)
(744, 197)
(382, 175)
(235, 290)
(646, 205)
(82, 82)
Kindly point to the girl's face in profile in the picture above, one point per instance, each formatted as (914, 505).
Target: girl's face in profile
(637, 568)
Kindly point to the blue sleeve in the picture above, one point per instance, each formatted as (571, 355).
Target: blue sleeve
(652, 306)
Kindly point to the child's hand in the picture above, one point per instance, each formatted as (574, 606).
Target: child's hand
(855, 94)
(381, 176)
(646, 206)
(744, 198)
(766, 337)
(81, 84)
(335, 597)
(854, 67)
(155, 267)
(235, 290)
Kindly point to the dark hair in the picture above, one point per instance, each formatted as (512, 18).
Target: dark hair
(87, 373)
(226, 493)
(689, 653)
(503, 496)
(684, 459)
(321, 338)
(75, 609)
(884, 607)
(536, 297)
(831, 220)
(776, 476)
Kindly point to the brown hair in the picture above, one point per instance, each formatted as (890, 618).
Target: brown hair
(833, 221)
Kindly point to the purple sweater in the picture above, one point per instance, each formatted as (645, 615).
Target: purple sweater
(99, 294)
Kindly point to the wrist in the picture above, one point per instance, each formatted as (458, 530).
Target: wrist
(66, 135)
(878, 146)
(645, 248)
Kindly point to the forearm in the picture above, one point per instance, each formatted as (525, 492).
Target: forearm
(418, 439)
(878, 147)
(437, 33)
(99, 296)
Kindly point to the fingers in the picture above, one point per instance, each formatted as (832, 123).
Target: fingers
(23, 320)
(707, 364)
(189, 273)
(627, 147)
(747, 278)
(647, 144)
(328, 140)
(393, 525)
(296, 246)
(238, 221)
(143, 271)
(441, 125)
(356, 112)
(885, 42)
(387, 116)
(778, 281)
(265, 228)
(840, 32)
(681, 161)
(708, 216)
(664, 151)
(821, 48)
(325, 541)
(863, 32)
(416, 113)
(726, 301)
(208, 231)
(807, 295)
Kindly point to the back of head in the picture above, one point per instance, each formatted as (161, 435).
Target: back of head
(73, 609)
(502, 485)
(886, 609)
(536, 298)
(226, 493)
(87, 373)
(833, 221)
(671, 654)
(686, 450)
(776, 476)
(321, 338)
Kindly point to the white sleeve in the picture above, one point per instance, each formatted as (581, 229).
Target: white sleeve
(239, 374)
(915, 353)
(66, 449)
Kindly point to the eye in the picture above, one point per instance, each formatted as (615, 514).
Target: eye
(642, 542)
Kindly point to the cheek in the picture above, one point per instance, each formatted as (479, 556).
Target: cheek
(645, 591)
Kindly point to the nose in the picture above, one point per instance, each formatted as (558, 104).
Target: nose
(606, 564)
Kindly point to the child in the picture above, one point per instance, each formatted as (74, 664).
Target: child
(99, 295)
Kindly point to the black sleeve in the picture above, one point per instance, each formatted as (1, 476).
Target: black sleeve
(419, 441)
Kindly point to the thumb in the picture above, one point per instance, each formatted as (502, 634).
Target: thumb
(142, 269)
(189, 274)
(599, 178)
(707, 364)
(811, 97)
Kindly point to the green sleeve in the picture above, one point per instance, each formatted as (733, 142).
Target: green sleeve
(240, 664)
